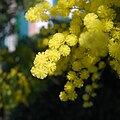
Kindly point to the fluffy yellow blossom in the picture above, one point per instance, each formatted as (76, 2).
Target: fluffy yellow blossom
(69, 86)
(64, 50)
(39, 72)
(114, 48)
(116, 33)
(106, 12)
(38, 12)
(53, 55)
(40, 59)
(64, 12)
(95, 42)
(84, 74)
(115, 64)
(44, 63)
(71, 40)
(72, 95)
(92, 22)
(59, 36)
(77, 65)
(88, 88)
(51, 67)
(71, 75)
(46, 5)
(54, 11)
(56, 41)
(87, 104)
(32, 15)
(63, 96)
(107, 25)
(85, 97)
(78, 83)
(89, 18)
(44, 17)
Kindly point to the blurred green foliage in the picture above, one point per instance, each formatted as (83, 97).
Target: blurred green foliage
(17, 85)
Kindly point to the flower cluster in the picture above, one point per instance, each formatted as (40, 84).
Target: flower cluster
(93, 34)
(38, 12)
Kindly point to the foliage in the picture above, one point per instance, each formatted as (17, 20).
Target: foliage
(17, 85)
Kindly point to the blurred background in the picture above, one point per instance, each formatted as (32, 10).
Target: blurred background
(23, 97)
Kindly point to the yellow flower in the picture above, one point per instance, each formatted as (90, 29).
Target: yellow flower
(92, 22)
(63, 96)
(32, 15)
(89, 18)
(71, 40)
(39, 72)
(106, 12)
(72, 95)
(116, 33)
(53, 55)
(71, 75)
(44, 17)
(69, 86)
(78, 83)
(38, 12)
(96, 42)
(40, 59)
(107, 25)
(56, 41)
(77, 65)
(114, 48)
(115, 64)
(51, 67)
(85, 97)
(87, 104)
(88, 88)
(54, 11)
(64, 12)
(46, 5)
(64, 50)
(84, 74)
